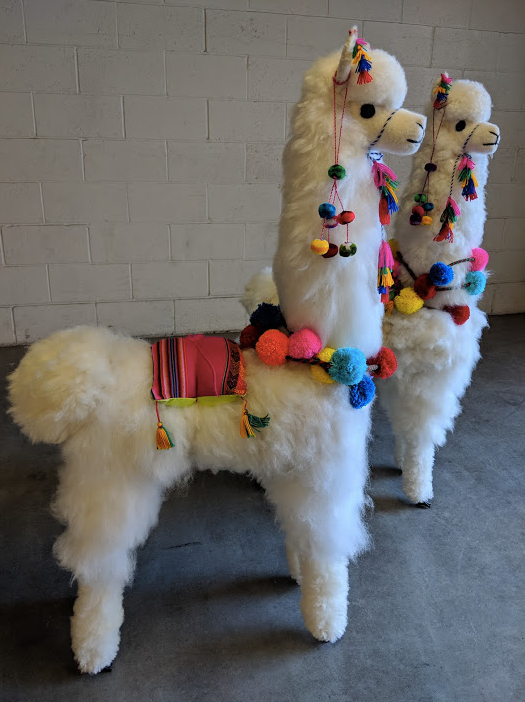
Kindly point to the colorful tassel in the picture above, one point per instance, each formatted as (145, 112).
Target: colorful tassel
(361, 57)
(386, 182)
(448, 217)
(384, 272)
(162, 438)
(441, 92)
(467, 178)
(249, 422)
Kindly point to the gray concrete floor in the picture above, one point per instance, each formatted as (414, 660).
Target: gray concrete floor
(436, 608)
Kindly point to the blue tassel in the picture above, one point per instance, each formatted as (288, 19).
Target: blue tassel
(363, 65)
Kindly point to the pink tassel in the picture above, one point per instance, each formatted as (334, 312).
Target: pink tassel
(454, 206)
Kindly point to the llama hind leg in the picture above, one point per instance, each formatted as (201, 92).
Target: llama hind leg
(108, 514)
(294, 565)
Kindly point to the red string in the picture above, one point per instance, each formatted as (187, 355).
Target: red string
(337, 141)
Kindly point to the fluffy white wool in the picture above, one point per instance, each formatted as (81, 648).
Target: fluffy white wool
(88, 389)
(435, 356)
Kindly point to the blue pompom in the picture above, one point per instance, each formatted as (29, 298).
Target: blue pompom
(327, 210)
(440, 274)
(347, 366)
(477, 282)
(363, 393)
(267, 316)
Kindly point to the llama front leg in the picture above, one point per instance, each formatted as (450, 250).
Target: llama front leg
(294, 565)
(324, 597)
(417, 465)
(109, 511)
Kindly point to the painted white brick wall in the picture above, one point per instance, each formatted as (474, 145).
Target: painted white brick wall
(141, 140)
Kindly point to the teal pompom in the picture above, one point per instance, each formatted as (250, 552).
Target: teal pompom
(362, 393)
(347, 366)
(475, 282)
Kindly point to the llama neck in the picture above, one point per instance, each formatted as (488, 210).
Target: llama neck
(337, 297)
(416, 243)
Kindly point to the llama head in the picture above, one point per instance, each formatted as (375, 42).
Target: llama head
(378, 121)
(465, 126)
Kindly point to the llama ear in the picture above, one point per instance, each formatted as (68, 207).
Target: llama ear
(345, 62)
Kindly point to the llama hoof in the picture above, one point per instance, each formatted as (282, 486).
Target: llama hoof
(324, 627)
(94, 649)
(423, 505)
(107, 669)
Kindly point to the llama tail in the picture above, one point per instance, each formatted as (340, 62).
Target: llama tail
(60, 382)
(261, 288)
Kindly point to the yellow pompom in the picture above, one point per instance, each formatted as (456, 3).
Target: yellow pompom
(408, 301)
(319, 246)
(393, 246)
(319, 373)
(426, 220)
(326, 354)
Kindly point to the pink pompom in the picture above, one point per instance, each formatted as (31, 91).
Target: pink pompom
(304, 344)
(481, 258)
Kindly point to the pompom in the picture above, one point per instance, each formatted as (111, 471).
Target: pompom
(476, 282)
(272, 347)
(249, 337)
(424, 287)
(331, 223)
(333, 250)
(336, 172)
(346, 250)
(267, 316)
(408, 301)
(319, 373)
(347, 366)
(394, 247)
(415, 219)
(418, 210)
(481, 258)
(459, 313)
(441, 274)
(428, 206)
(426, 220)
(326, 210)
(304, 344)
(386, 361)
(345, 217)
(319, 246)
(362, 393)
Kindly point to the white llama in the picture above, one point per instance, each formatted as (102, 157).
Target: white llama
(436, 356)
(89, 390)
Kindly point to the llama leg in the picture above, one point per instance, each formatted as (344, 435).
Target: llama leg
(324, 601)
(109, 512)
(293, 563)
(399, 451)
(417, 465)
(323, 530)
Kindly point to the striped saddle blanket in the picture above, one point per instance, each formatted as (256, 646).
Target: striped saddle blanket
(209, 369)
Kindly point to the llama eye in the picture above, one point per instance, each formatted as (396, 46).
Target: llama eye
(367, 111)
(460, 126)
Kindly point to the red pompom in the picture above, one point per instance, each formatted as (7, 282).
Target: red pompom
(385, 361)
(424, 287)
(418, 210)
(345, 217)
(272, 347)
(249, 337)
(459, 313)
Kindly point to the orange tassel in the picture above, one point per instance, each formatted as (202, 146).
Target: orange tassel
(245, 431)
(384, 215)
(162, 438)
(364, 77)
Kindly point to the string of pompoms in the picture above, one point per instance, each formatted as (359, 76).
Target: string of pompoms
(328, 210)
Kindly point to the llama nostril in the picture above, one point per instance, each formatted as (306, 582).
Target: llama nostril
(495, 134)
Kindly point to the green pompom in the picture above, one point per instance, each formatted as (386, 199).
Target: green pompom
(336, 172)
(417, 198)
(423, 198)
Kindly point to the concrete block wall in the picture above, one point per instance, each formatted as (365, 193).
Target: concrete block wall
(140, 146)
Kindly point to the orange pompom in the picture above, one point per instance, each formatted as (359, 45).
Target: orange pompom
(272, 347)
(319, 246)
